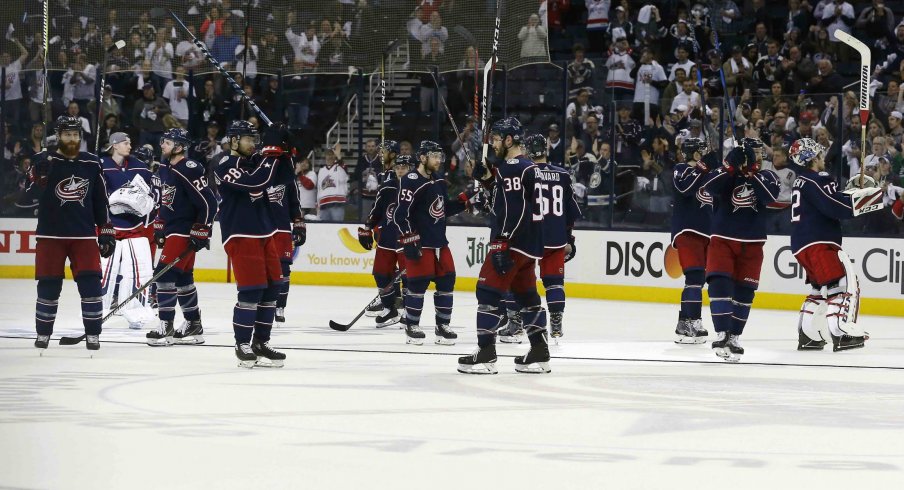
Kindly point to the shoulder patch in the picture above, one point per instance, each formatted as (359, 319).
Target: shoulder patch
(191, 164)
(823, 174)
(512, 161)
(412, 176)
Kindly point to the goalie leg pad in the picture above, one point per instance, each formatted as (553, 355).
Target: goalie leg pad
(135, 268)
(811, 325)
(110, 268)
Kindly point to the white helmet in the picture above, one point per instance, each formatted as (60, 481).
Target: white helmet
(804, 151)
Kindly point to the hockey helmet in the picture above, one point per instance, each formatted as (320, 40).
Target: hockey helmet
(536, 146)
(694, 145)
(428, 146)
(509, 126)
(241, 128)
(804, 151)
(68, 123)
(406, 160)
(178, 136)
(144, 154)
(391, 146)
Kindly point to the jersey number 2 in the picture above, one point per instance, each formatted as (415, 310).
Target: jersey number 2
(795, 205)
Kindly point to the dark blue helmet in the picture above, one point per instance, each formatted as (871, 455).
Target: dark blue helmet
(144, 154)
(536, 146)
(752, 143)
(68, 123)
(407, 160)
(509, 126)
(178, 136)
(391, 146)
(693, 145)
(241, 128)
(428, 146)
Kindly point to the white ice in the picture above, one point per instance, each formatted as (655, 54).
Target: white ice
(624, 407)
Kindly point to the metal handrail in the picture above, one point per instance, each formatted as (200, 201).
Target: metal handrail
(351, 115)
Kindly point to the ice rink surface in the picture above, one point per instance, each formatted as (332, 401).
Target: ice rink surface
(624, 407)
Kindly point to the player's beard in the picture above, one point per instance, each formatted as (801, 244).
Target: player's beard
(69, 149)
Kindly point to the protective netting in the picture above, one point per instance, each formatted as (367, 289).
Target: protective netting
(302, 36)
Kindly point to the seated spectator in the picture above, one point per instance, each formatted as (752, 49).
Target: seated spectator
(424, 32)
(147, 116)
(769, 68)
(597, 178)
(779, 212)
(688, 96)
(738, 72)
(556, 146)
(176, 94)
(364, 177)
(591, 137)
(533, 40)
(895, 129)
(576, 113)
(682, 53)
(837, 15)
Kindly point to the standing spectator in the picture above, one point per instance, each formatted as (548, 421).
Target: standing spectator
(332, 187)
(592, 136)
(79, 83)
(769, 68)
(110, 126)
(212, 27)
(580, 71)
(364, 177)
(307, 186)
(727, 19)
(622, 22)
(877, 21)
(826, 83)
(620, 64)
(688, 97)
(649, 29)
(798, 17)
(892, 100)
(837, 15)
(250, 71)
(306, 46)
(72, 110)
(299, 89)
(136, 50)
(651, 80)
(12, 109)
(627, 135)
(161, 53)
(210, 106)
(145, 30)
(683, 62)
(895, 129)
(738, 72)
(576, 112)
(147, 116)
(223, 48)
(209, 146)
(673, 88)
(425, 32)
(187, 52)
(533, 40)
(176, 93)
(597, 24)
(556, 145)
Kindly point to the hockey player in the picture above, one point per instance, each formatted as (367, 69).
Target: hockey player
(560, 211)
(129, 182)
(816, 212)
(285, 204)
(420, 216)
(690, 233)
(734, 257)
(389, 151)
(182, 228)
(247, 228)
(74, 223)
(389, 256)
(512, 256)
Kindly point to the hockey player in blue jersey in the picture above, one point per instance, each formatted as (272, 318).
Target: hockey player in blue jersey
(73, 223)
(130, 187)
(182, 228)
(248, 229)
(420, 216)
(285, 204)
(817, 208)
(513, 254)
(690, 233)
(560, 210)
(389, 257)
(734, 258)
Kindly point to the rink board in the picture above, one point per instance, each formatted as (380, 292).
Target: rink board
(614, 265)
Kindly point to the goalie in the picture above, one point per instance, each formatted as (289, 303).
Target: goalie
(132, 204)
(817, 208)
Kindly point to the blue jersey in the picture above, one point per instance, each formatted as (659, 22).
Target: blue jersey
(559, 208)
(693, 204)
(245, 207)
(381, 215)
(817, 208)
(739, 201)
(185, 197)
(73, 202)
(285, 199)
(117, 176)
(516, 205)
(422, 208)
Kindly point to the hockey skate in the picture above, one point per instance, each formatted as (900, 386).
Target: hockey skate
(374, 308)
(690, 331)
(247, 358)
(445, 335)
(720, 345)
(555, 326)
(92, 342)
(847, 342)
(414, 334)
(482, 361)
(190, 333)
(387, 317)
(806, 343)
(536, 361)
(280, 316)
(162, 336)
(513, 332)
(735, 351)
(41, 342)
(266, 355)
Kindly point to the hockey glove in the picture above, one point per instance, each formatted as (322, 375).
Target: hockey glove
(159, 237)
(411, 242)
(866, 200)
(275, 140)
(106, 240)
(501, 256)
(41, 170)
(299, 233)
(571, 250)
(199, 236)
(366, 238)
(470, 199)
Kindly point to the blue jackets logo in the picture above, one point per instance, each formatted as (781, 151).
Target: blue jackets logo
(437, 209)
(167, 196)
(743, 197)
(73, 189)
(705, 198)
(275, 193)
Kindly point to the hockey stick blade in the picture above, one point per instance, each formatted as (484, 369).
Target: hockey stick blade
(339, 327)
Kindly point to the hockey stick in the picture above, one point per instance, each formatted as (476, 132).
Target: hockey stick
(451, 119)
(46, 108)
(342, 328)
(76, 340)
(727, 101)
(865, 61)
(213, 61)
(488, 84)
(245, 51)
(103, 82)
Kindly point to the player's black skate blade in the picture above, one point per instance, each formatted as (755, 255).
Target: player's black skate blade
(267, 357)
(247, 358)
(847, 342)
(806, 343)
(482, 361)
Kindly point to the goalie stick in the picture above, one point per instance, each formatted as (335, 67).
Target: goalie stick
(76, 340)
(339, 327)
(213, 61)
(865, 60)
